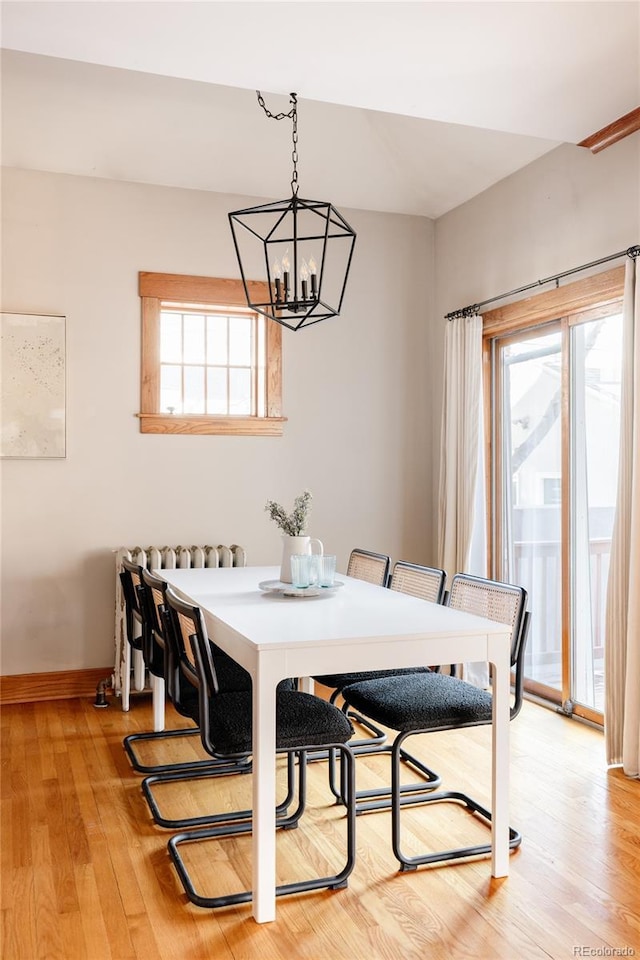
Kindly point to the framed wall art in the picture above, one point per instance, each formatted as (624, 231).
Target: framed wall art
(32, 386)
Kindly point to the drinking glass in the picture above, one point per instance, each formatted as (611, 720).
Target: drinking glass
(326, 570)
(301, 569)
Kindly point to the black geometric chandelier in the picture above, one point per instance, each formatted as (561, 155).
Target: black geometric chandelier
(301, 248)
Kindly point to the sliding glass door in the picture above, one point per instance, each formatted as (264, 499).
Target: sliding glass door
(554, 424)
(530, 488)
(596, 364)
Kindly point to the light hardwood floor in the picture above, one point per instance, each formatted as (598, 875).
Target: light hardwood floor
(86, 874)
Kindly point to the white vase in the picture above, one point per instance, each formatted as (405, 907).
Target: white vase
(291, 545)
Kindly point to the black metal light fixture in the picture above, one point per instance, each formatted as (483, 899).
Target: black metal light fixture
(303, 246)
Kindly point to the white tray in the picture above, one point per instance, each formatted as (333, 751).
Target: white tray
(281, 589)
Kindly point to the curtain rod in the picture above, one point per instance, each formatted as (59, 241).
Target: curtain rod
(473, 308)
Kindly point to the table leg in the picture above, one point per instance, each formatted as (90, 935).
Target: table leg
(264, 797)
(157, 691)
(500, 763)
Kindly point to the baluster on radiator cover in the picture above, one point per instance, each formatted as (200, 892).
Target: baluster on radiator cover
(212, 558)
(239, 555)
(168, 558)
(197, 557)
(183, 556)
(226, 558)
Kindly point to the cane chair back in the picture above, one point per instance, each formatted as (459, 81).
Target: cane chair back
(491, 599)
(372, 567)
(418, 581)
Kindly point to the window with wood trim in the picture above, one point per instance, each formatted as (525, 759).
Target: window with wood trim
(553, 368)
(210, 365)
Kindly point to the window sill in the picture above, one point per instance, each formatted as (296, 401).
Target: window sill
(224, 426)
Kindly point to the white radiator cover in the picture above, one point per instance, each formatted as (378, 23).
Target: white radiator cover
(162, 558)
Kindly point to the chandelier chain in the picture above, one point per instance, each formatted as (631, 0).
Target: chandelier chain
(293, 116)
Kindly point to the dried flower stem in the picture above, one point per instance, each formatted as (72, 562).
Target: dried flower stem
(294, 524)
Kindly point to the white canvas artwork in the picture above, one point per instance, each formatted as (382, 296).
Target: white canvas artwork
(32, 385)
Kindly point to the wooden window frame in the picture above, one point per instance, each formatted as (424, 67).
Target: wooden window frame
(156, 288)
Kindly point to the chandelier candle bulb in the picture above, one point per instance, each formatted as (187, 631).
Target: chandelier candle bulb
(277, 275)
(286, 266)
(313, 270)
(304, 279)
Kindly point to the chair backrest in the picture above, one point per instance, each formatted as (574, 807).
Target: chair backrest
(418, 581)
(152, 601)
(372, 567)
(189, 634)
(503, 602)
(131, 579)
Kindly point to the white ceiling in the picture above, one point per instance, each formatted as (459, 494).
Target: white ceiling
(409, 107)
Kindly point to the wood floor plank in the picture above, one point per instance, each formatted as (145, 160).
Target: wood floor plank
(86, 874)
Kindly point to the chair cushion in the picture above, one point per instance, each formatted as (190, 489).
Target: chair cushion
(341, 680)
(302, 720)
(420, 701)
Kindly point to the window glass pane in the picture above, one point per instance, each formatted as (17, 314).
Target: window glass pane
(170, 337)
(193, 338)
(261, 365)
(217, 390)
(532, 458)
(194, 390)
(596, 365)
(240, 392)
(170, 389)
(217, 340)
(240, 340)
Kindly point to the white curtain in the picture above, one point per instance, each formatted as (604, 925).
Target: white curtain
(462, 406)
(461, 491)
(622, 643)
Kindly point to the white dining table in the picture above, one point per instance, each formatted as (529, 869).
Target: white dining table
(357, 626)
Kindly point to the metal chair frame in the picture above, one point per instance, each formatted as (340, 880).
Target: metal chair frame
(151, 597)
(427, 583)
(373, 568)
(198, 667)
(520, 629)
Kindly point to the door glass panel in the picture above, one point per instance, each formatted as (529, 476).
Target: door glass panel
(532, 492)
(596, 363)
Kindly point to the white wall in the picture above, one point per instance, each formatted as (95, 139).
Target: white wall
(566, 209)
(352, 386)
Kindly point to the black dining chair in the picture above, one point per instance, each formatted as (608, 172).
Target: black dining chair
(303, 722)
(425, 583)
(418, 581)
(372, 568)
(420, 703)
(139, 638)
(184, 699)
(144, 599)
